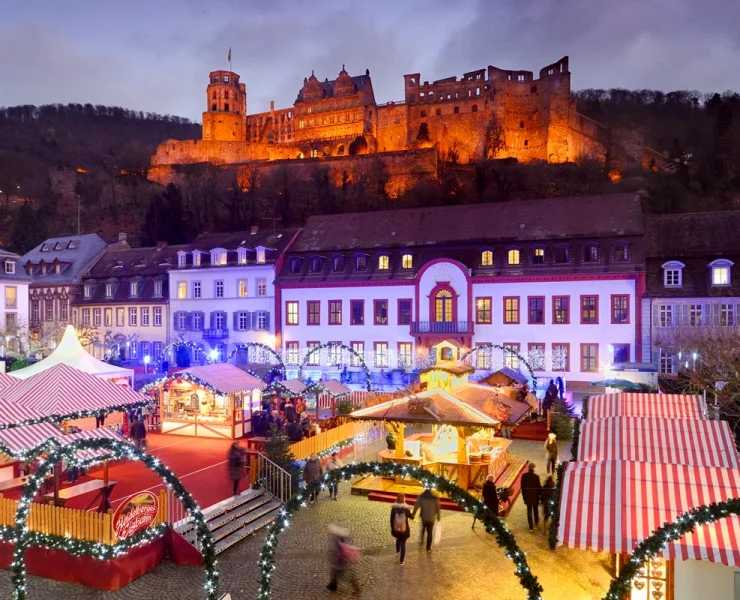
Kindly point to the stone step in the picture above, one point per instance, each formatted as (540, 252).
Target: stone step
(240, 511)
(240, 534)
(254, 514)
(222, 509)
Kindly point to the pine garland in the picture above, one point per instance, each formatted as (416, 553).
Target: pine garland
(576, 440)
(552, 534)
(470, 503)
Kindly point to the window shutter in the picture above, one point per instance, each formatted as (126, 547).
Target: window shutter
(715, 314)
(176, 322)
(235, 320)
(706, 315)
(684, 321)
(202, 320)
(212, 320)
(250, 324)
(656, 314)
(224, 319)
(267, 320)
(189, 321)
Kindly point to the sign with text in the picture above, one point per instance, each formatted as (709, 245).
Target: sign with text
(135, 513)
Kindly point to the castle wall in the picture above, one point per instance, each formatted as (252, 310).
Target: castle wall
(174, 152)
(392, 127)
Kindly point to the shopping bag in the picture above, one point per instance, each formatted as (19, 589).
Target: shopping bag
(437, 533)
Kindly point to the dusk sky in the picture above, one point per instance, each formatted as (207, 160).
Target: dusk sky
(156, 55)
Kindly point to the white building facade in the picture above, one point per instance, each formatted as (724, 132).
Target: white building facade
(14, 286)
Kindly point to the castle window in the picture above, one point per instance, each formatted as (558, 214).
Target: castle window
(521, 124)
(513, 257)
(438, 112)
(226, 95)
(526, 143)
(474, 108)
(477, 91)
(407, 261)
(423, 114)
(214, 95)
(456, 110)
(213, 107)
(520, 77)
(226, 107)
(533, 89)
(383, 262)
(226, 79)
(550, 71)
(412, 99)
(384, 122)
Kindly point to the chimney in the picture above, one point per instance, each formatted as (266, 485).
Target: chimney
(272, 106)
(161, 245)
(123, 237)
(253, 230)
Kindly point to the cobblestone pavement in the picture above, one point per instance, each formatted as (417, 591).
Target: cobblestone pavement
(467, 564)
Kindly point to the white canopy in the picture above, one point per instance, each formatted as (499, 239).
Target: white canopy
(70, 352)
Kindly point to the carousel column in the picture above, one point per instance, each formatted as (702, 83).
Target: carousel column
(463, 469)
(400, 450)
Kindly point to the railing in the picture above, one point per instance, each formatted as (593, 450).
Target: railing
(442, 327)
(216, 333)
(70, 522)
(271, 477)
(326, 439)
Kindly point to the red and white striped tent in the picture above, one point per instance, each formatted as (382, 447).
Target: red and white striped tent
(20, 442)
(613, 505)
(62, 391)
(224, 377)
(673, 406)
(334, 387)
(658, 440)
(12, 413)
(7, 380)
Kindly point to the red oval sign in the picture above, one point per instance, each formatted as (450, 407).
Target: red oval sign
(135, 513)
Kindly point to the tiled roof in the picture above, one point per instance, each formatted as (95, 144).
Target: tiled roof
(485, 399)
(709, 234)
(456, 368)
(19, 273)
(274, 241)
(360, 82)
(132, 262)
(507, 373)
(75, 254)
(547, 219)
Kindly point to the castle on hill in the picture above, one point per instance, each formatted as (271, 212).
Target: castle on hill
(489, 113)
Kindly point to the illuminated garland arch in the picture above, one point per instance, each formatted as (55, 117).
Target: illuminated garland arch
(470, 503)
(505, 349)
(352, 351)
(22, 538)
(176, 344)
(247, 345)
(669, 532)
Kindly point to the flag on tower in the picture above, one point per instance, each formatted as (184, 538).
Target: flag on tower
(229, 57)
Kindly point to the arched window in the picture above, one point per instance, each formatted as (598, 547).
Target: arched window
(591, 253)
(486, 258)
(475, 108)
(407, 261)
(383, 262)
(513, 256)
(538, 256)
(295, 265)
(316, 264)
(443, 306)
(338, 263)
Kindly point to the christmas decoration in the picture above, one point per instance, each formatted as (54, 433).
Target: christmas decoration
(552, 534)
(23, 538)
(470, 503)
(343, 347)
(504, 349)
(257, 346)
(81, 414)
(182, 376)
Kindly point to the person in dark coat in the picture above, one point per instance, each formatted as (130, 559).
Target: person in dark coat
(289, 410)
(138, 433)
(431, 512)
(489, 495)
(546, 495)
(561, 387)
(312, 471)
(236, 461)
(295, 432)
(551, 453)
(400, 526)
(531, 487)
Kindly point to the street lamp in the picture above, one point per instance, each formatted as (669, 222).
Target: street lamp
(147, 358)
(213, 355)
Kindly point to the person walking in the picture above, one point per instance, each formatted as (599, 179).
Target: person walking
(332, 464)
(400, 529)
(546, 496)
(312, 471)
(531, 487)
(235, 461)
(289, 410)
(489, 495)
(431, 512)
(551, 453)
(138, 433)
(343, 553)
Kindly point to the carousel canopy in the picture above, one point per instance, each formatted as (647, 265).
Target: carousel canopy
(70, 352)
(455, 367)
(613, 505)
(432, 406)
(657, 440)
(672, 406)
(21, 441)
(505, 376)
(63, 391)
(224, 377)
(485, 399)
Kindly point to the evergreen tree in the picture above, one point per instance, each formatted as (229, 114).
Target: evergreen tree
(277, 449)
(182, 357)
(165, 219)
(722, 159)
(28, 230)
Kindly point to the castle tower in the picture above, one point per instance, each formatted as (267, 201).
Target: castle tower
(225, 118)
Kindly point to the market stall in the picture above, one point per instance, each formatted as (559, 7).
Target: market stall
(673, 406)
(209, 401)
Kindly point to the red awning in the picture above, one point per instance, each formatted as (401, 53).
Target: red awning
(657, 440)
(614, 505)
(62, 390)
(673, 406)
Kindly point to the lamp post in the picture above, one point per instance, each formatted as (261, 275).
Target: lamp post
(147, 358)
(213, 355)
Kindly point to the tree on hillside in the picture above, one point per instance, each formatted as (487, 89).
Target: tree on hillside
(28, 230)
(723, 158)
(165, 219)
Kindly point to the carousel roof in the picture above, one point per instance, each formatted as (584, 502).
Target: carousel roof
(6, 380)
(225, 377)
(505, 373)
(493, 403)
(455, 367)
(431, 406)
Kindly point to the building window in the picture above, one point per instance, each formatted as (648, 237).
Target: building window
(483, 357)
(407, 261)
(196, 289)
(9, 267)
(483, 311)
(383, 262)
(621, 353)
(86, 317)
(335, 312)
(313, 356)
(561, 310)
(591, 253)
(120, 317)
(673, 274)
(196, 259)
(134, 288)
(720, 272)
(261, 320)
(158, 316)
(381, 355)
(536, 312)
(621, 252)
(313, 308)
(63, 309)
(109, 290)
(589, 358)
(667, 363)
(145, 316)
(182, 290)
(157, 289)
(291, 312)
(443, 306)
(486, 258)
(726, 315)
(335, 354)
(133, 350)
(96, 317)
(109, 317)
(561, 357)
(133, 314)
(511, 356)
(218, 258)
(87, 290)
(511, 310)
(219, 320)
(380, 311)
(561, 255)
(219, 288)
(536, 356)
(181, 259)
(589, 310)
(359, 348)
(11, 296)
(261, 288)
(695, 318)
(316, 264)
(295, 265)
(357, 312)
(181, 321)
(538, 256)
(291, 353)
(405, 355)
(404, 311)
(241, 256)
(49, 309)
(665, 315)
(242, 285)
(620, 309)
(361, 263)
(260, 256)
(512, 256)
(242, 320)
(337, 263)
(35, 311)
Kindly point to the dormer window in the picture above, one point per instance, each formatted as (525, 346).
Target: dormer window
(181, 259)
(621, 252)
(241, 256)
(9, 267)
(134, 287)
(486, 258)
(590, 253)
(196, 259)
(43, 269)
(109, 290)
(407, 261)
(361, 263)
(337, 263)
(261, 255)
(57, 268)
(87, 290)
(295, 265)
(538, 256)
(562, 254)
(316, 264)
(673, 273)
(721, 271)
(158, 289)
(57, 246)
(383, 262)
(44, 248)
(218, 257)
(513, 257)
(71, 245)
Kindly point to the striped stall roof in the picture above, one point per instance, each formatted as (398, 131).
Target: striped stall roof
(673, 406)
(334, 387)
(12, 412)
(7, 380)
(613, 505)
(294, 386)
(63, 390)
(226, 378)
(656, 440)
(20, 440)
(92, 434)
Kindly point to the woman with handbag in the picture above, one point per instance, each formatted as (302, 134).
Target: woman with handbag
(400, 526)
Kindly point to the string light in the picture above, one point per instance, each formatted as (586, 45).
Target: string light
(344, 347)
(504, 349)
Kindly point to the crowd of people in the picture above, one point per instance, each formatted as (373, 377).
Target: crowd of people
(534, 494)
(284, 416)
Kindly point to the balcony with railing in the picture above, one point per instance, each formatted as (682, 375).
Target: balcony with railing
(215, 333)
(442, 327)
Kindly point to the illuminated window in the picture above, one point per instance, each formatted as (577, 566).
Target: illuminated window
(359, 350)
(536, 356)
(589, 358)
(242, 286)
(486, 258)
(483, 310)
(443, 306)
(512, 257)
(381, 354)
(405, 355)
(511, 310)
(383, 262)
(11, 296)
(261, 288)
(720, 272)
(291, 312)
(561, 357)
(511, 356)
(589, 310)
(407, 261)
(620, 309)
(538, 256)
(483, 358)
(291, 353)
(561, 310)
(182, 290)
(380, 309)
(314, 312)
(335, 312)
